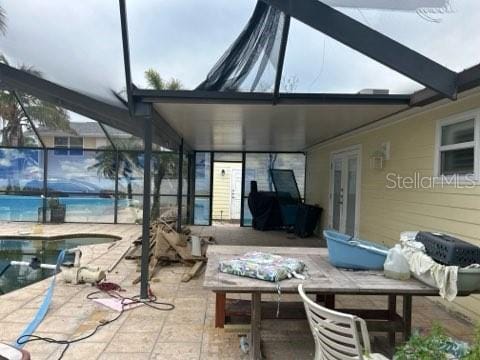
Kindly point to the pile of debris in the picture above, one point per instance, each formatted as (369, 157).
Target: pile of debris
(169, 246)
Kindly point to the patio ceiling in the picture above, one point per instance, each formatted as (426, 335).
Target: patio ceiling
(263, 127)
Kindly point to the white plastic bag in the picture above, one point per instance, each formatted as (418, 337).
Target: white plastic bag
(408, 236)
(396, 265)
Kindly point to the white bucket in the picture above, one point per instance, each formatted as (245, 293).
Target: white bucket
(196, 246)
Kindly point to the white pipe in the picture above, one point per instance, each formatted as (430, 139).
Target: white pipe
(25, 263)
(78, 256)
(76, 251)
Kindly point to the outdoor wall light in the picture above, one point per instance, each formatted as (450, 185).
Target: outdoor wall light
(378, 157)
(223, 172)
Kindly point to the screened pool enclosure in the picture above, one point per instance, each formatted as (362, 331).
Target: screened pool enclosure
(93, 170)
(265, 79)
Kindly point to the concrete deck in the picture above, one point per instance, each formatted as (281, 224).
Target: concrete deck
(188, 331)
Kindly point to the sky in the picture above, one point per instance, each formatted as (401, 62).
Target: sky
(78, 44)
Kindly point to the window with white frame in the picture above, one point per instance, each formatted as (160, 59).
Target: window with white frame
(458, 151)
(60, 144)
(68, 145)
(76, 145)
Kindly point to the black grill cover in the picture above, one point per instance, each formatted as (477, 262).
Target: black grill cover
(265, 209)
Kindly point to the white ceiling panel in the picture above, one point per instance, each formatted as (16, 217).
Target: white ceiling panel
(255, 127)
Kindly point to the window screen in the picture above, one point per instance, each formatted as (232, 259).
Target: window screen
(457, 147)
(457, 162)
(457, 133)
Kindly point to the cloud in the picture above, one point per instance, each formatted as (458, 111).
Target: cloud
(78, 44)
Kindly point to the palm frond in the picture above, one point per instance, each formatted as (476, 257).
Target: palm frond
(3, 59)
(3, 21)
(49, 115)
(31, 70)
(41, 112)
(154, 80)
(174, 84)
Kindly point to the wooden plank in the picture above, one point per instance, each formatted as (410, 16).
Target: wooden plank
(154, 266)
(240, 249)
(179, 240)
(193, 271)
(220, 299)
(378, 320)
(392, 312)
(239, 311)
(120, 258)
(407, 317)
(323, 277)
(161, 244)
(134, 253)
(255, 341)
(184, 251)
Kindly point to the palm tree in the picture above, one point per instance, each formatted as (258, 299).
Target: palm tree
(3, 21)
(14, 119)
(107, 162)
(164, 164)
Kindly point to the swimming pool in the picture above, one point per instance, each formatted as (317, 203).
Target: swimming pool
(15, 277)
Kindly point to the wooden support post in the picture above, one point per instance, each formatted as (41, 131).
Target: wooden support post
(392, 311)
(407, 317)
(220, 301)
(255, 343)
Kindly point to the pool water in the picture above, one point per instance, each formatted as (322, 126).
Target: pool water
(16, 277)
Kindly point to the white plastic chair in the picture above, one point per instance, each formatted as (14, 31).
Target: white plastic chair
(336, 334)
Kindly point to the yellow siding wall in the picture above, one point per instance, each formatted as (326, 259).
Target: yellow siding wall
(384, 213)
(48, 141)
(222, 189)
(89, 143)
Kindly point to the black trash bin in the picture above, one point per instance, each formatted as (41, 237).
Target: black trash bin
(306, 220)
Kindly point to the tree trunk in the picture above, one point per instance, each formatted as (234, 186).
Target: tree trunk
(129, 190)
(157, 182)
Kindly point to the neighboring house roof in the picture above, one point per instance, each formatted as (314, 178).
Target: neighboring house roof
(85, 129)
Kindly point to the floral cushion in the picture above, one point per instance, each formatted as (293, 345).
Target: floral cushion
(263, 266)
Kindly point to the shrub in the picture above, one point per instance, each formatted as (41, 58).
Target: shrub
(474, 353)
(423, 347)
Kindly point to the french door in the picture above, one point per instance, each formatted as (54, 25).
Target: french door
(344, 191)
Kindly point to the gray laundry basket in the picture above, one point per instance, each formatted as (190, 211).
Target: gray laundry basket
(468, 280)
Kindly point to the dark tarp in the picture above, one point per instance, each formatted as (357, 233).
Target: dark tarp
(265, 209)
(243, 66)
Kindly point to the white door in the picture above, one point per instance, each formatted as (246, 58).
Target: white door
(344, 192)
(236, 194)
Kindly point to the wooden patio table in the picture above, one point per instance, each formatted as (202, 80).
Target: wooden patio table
(324, 279)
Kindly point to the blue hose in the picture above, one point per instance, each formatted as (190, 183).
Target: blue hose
(42, 311)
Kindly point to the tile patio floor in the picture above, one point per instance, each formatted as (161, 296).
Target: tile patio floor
(185, 333)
